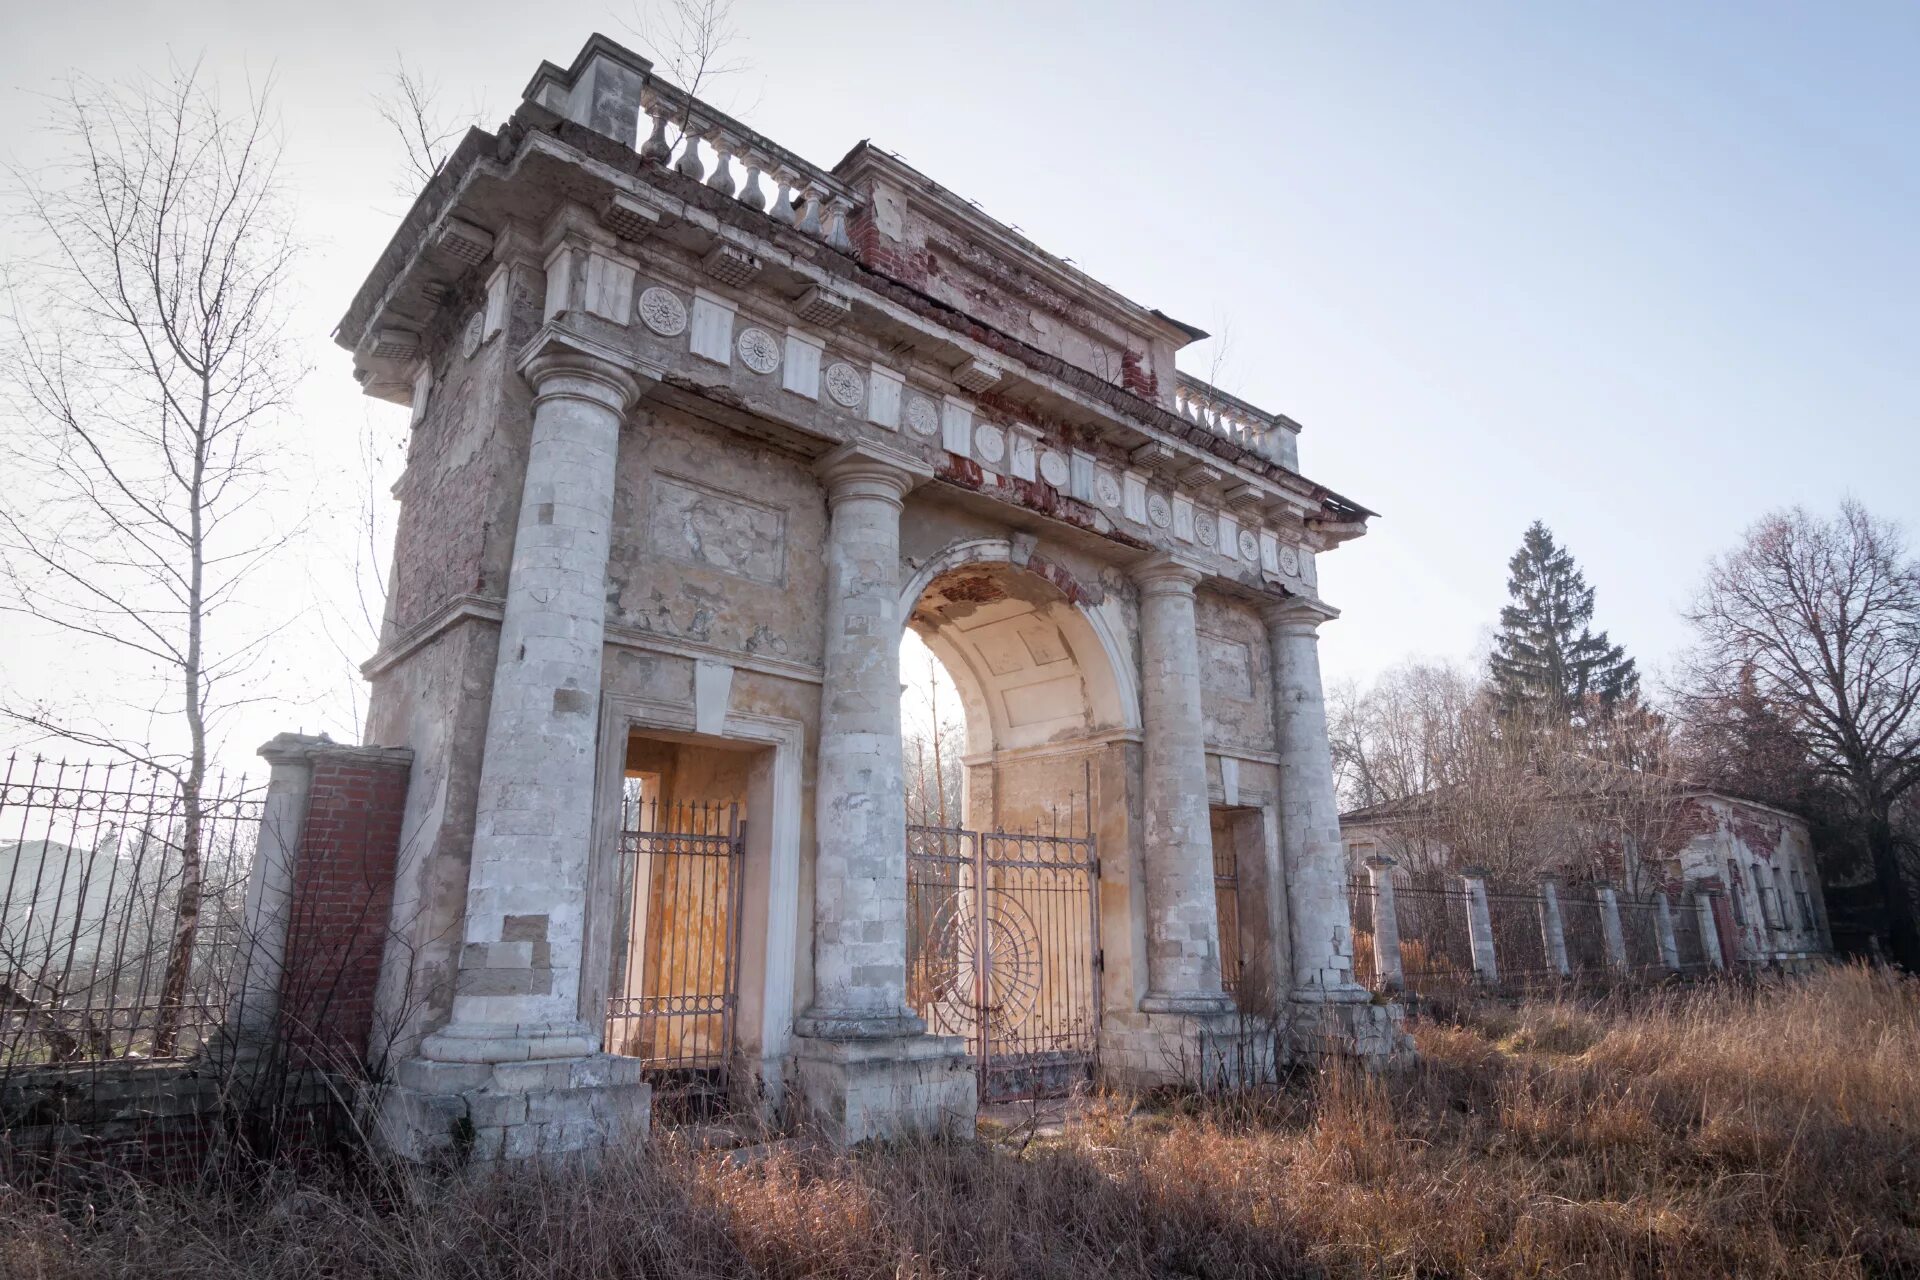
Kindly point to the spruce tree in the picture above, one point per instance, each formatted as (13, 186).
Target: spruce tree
(1547, 662)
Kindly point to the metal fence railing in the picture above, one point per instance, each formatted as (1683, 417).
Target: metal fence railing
(121, 904)
(1436, 952)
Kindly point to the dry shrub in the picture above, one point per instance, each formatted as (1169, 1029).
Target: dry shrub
(1711, 1131)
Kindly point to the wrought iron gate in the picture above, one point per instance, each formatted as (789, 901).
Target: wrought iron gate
(1003, 948)
(677, 949)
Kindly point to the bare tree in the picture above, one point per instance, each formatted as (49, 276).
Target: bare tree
(414, 109)
(1820, 618)
(692, 42)
(148, 364)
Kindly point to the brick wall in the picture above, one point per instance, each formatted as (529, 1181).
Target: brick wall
(342, 893)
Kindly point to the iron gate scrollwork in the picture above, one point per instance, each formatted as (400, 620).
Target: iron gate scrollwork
(1003, 951)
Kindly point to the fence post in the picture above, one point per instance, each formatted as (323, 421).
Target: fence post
(1663, 930)
(1709, 928)
(1386, 924)
(1616, 938)
(260, 963)
(1553, 929)
(1480, 925)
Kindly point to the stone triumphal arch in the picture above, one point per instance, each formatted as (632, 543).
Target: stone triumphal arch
(698, 429)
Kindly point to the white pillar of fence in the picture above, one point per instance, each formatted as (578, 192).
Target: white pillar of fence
(1616, 938)
(1386, 925)
(1553, 927)
(1480, 925)
(1709, 929)
(260, 963)
(1663, 931)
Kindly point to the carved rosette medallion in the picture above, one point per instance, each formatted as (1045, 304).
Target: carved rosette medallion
(990, 442)
(470, 340)
(1249, 545)
(1289, 561)
(1106, 489)
(1159, 511)
(1053, 469)
(758, 351)
(844, 384)
(922, 418)
(1206, 527)
(662, 311)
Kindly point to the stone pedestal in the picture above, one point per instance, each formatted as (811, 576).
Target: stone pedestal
(912, 1085)
(1553, 927)
(1212, 1050)
(458, 1111)
(1371, 1031)
(1486, 965)
(1386, 924)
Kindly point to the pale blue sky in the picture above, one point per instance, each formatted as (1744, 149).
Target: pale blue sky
(1642, 270)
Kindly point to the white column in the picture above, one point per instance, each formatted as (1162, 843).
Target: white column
(1610, 931)
(860, 824)
(1709, 928)
(1663, 930)
(518, 990)
(1322, 922)
(1553, 926)
(1480, 926)
(261, 963)
(1183, 922)
(1386, 924)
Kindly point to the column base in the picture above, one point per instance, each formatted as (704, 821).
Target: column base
(461, 1111)
(517, 1042)
(1207, 1050)
(900, 1086)
(1373, 1034)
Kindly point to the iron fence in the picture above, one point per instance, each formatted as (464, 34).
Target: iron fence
(1582, 923)
(1519, 942)
(1640, 931)
(1686, 935)
(122, 894)
(1436, 952)
(1361, 901)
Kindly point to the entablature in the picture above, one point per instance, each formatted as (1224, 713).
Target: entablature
(760, 315)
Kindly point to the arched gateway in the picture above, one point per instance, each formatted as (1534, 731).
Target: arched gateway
(699, 429)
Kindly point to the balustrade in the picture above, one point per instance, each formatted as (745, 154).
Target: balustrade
(1233, 419)
(697, 142)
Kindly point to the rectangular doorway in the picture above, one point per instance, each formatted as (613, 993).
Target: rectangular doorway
(673, 996)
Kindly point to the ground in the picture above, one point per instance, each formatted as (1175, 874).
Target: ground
(1750, 1131)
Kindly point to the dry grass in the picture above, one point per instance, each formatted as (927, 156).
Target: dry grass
(1705, 1133)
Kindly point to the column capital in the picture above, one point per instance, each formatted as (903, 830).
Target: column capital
(1299, 615)
(1166, 574)
(861, 470)
(1473, 873)
(1381, 862)
(563, 366)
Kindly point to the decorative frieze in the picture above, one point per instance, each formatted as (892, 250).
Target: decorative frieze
(801, 374)
(712, 327)
(609, 289)
(845, 387)
(758, 350)
(923, 418)
(1055, 468)
(662, 311)
(956, 426)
